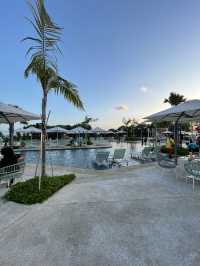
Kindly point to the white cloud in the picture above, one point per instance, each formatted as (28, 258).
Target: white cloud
(122, 107)
(144, 89)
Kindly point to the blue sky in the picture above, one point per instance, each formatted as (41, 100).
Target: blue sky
(121, 53)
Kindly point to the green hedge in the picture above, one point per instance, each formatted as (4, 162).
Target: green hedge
(180, 151)
(27, 192)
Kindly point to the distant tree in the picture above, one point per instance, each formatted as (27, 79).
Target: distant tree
(128, 126)
(87, 121)
(175, 99)
(126, 122)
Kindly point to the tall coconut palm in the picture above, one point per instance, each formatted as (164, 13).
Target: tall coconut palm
(43, 65)
(175, 99)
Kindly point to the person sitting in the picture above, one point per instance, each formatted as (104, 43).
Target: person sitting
(9, 158)
(193, 147)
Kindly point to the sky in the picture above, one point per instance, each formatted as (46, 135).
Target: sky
(125, 56)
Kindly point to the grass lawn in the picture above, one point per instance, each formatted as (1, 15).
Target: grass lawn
(27, 192)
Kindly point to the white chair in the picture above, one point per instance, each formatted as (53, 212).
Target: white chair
(118, 157)
(102, 158)
(193, 169)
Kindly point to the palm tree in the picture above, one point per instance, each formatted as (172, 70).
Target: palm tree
(43, 58)
(126, 123)
(175, 99)
(87, 121)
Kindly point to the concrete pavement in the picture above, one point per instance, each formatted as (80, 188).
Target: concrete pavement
(136, 217)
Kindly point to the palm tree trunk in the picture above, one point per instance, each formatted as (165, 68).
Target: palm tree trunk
(43, 144)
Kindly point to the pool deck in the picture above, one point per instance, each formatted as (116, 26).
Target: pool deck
(62, 147)
(132, 216)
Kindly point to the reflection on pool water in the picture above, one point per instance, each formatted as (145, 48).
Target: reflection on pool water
(83, 158)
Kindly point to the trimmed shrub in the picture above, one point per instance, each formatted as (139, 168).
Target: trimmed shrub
(180, 151)
(27, 192)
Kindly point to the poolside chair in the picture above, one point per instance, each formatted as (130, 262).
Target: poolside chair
(149, 154)
(165, 162)
(193, 169)
(146, 154)
(12, 172)
(102, 159)
(118, 157)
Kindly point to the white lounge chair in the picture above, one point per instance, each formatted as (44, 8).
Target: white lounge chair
(118, 157)
(150, 154)
(102, 158)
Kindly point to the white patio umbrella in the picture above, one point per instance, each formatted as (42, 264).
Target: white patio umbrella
(98, 130)
(78, 130)
(30, 130)
(108, 132)
(121, 132)
(58, 130)
(10, 114)
(183, 112)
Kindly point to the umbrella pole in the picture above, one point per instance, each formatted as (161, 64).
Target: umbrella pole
(156, 136)
(11, 133)
(176, 140)
(176, 137)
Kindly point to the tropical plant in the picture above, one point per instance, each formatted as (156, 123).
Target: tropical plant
(43, 65)
(126, 122)
(129, 125)
(175, 99)
(87, 121)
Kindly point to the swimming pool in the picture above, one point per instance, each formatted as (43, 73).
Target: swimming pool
(82, 158)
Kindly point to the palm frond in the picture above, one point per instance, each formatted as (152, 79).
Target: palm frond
(67, 90)
(47, 33)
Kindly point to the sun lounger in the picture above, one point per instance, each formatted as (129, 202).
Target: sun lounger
(102, 158)
(118, 157)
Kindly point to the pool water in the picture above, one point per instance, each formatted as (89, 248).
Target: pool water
(83, 158)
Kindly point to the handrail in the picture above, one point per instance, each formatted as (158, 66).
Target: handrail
(12, 171)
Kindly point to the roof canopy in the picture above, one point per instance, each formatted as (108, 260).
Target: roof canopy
(28, 130)
(121, 132)
(11, 114)
(187, 111)
(57, 130)
(98, 130)
(77, 130)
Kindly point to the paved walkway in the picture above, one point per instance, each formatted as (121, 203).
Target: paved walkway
(136, 217)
